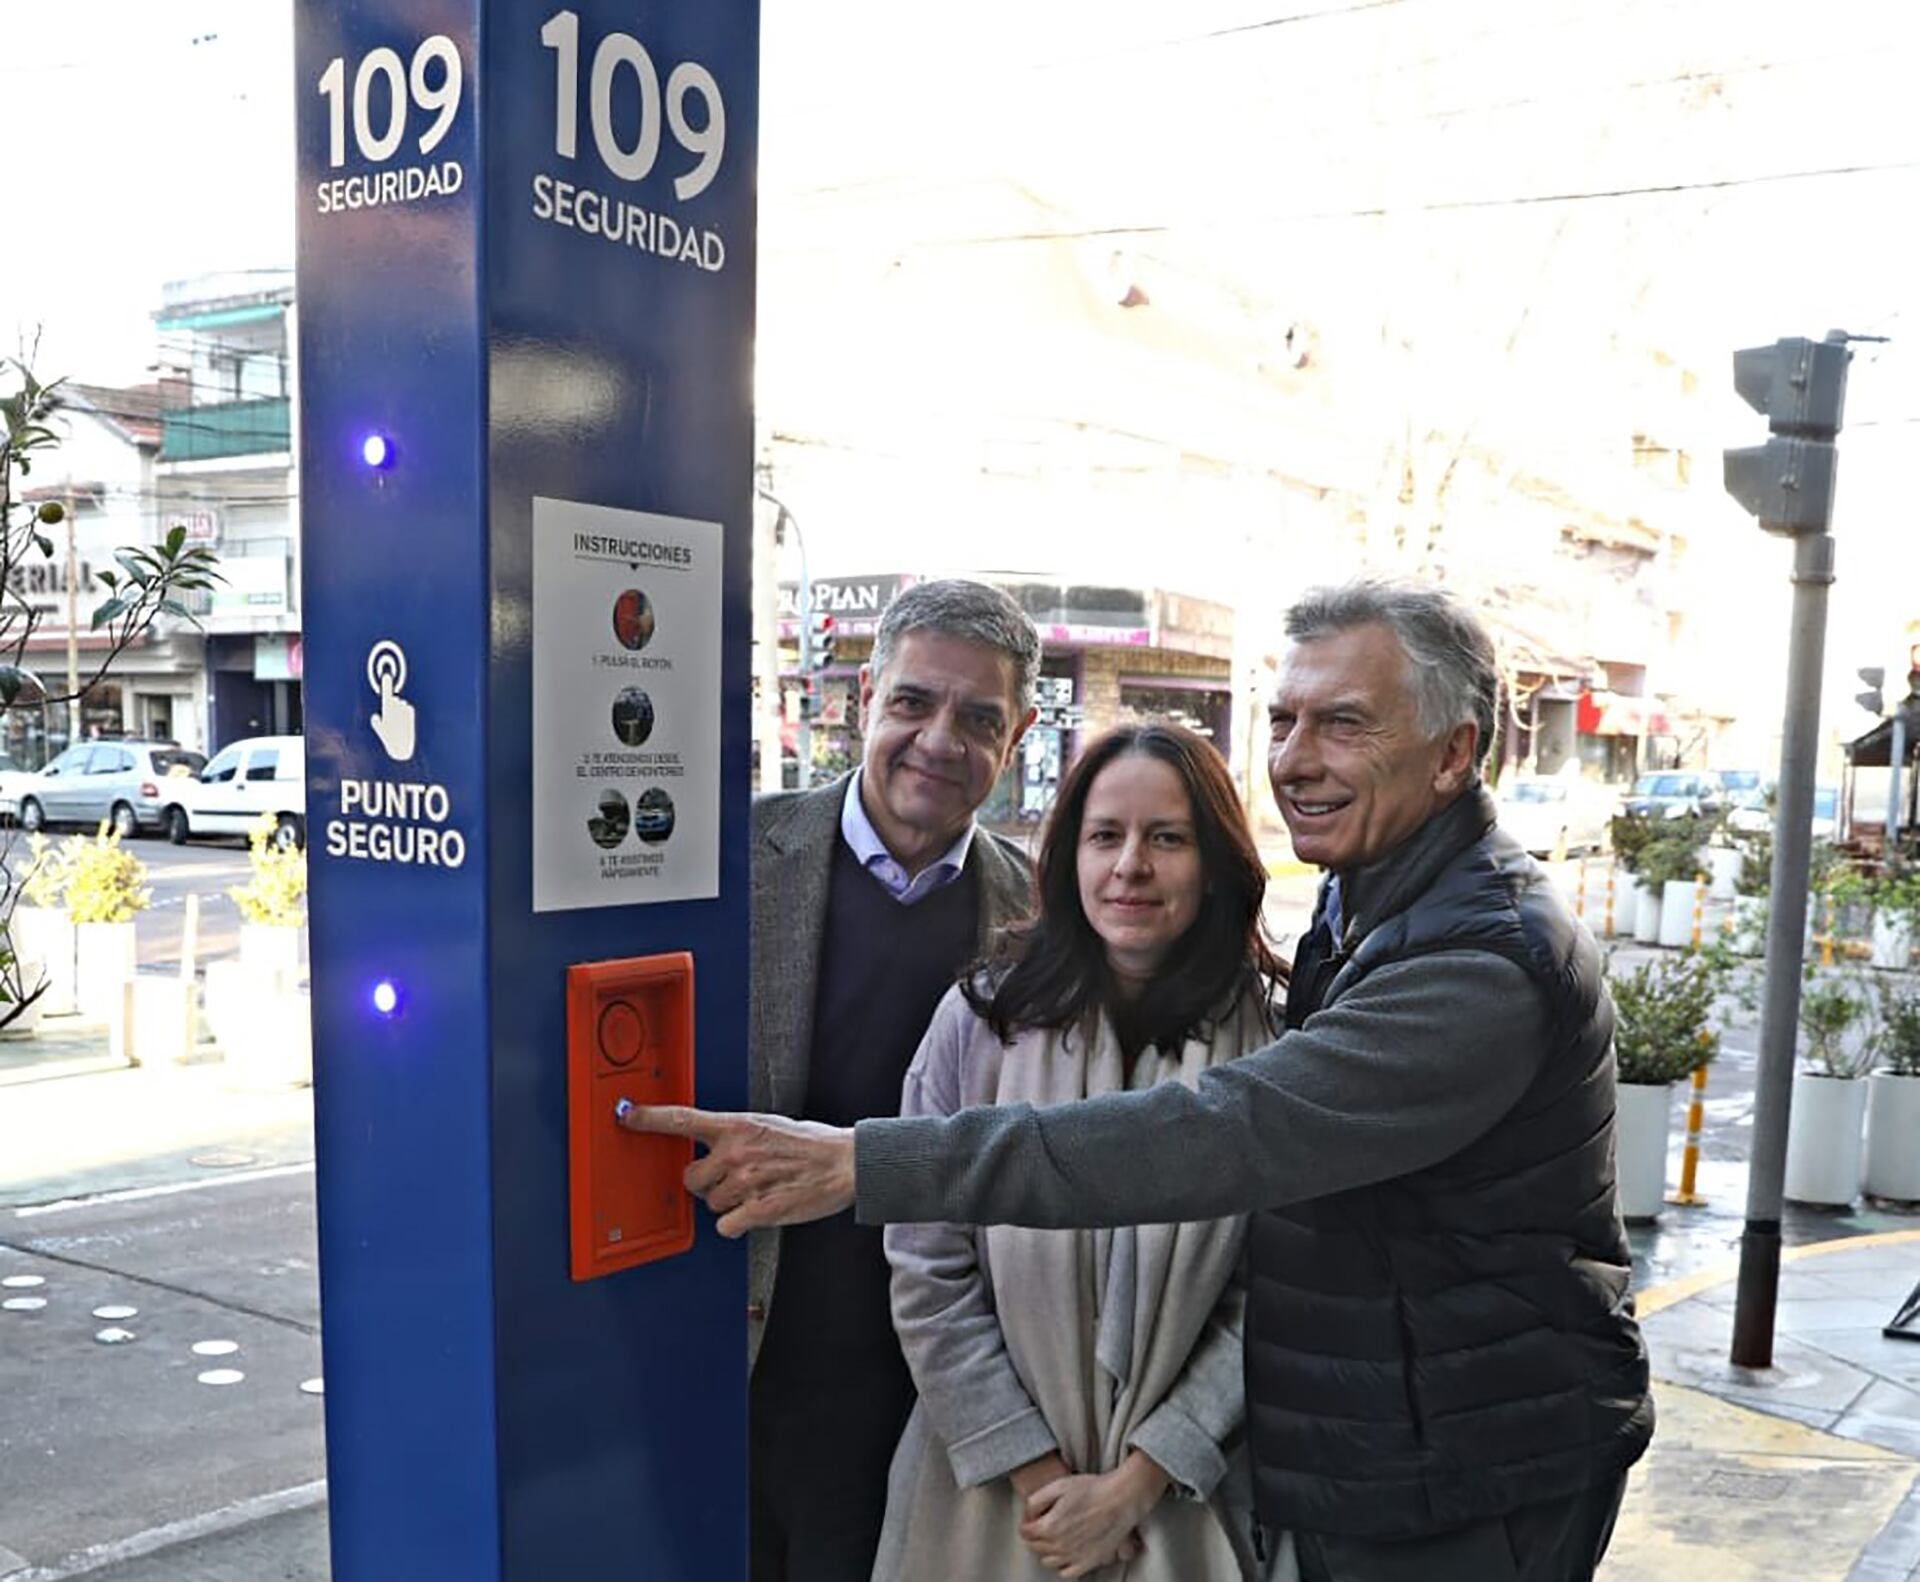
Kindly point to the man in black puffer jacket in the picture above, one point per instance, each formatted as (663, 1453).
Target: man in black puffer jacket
(1444, 1377)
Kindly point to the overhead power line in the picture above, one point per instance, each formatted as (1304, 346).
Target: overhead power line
(1395, 210)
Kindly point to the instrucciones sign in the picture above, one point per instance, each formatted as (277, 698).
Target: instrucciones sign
(626, 707)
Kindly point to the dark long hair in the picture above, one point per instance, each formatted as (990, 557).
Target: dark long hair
(1051, 970)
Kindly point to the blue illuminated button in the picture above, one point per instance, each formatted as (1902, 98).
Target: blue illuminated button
(376, 450)
(386, 998)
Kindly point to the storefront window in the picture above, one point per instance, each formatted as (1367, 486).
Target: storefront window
(1205, 710)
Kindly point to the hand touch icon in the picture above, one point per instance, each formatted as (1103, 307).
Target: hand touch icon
(393, 721)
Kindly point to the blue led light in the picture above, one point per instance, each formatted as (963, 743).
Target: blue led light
(386, 998)
(376, 450)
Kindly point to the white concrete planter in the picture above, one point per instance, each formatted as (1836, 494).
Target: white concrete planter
(271, 952)
(163, 1025)
(1625, 895)
(1723, 868)
(1646, 914)
(1892, 942)
(46, 933)
(104, 954)
(262, 1024)
(1893, 1137)
(1824, 1139)
(1676, 913)
(1642, 1115)
(1750, 924)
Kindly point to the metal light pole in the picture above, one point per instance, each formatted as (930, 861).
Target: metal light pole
(1788, 484)
(1786, 936)
(803, 732)
(73, 629)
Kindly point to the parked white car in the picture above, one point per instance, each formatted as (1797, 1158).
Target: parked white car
(1756, 812)
(263, 774)
(1556, 814)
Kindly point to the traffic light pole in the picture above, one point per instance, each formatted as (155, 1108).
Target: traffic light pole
(1758, 1289)
(1896, 761)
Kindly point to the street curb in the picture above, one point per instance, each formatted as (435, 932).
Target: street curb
(1658, 1298)
(168, 1535)
(53, 1070)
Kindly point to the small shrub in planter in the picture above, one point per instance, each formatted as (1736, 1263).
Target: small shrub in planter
(272, 901)
(1896, 917)
(1848, 895)
(1663, 1011)
(258, 1013)
(1751, 884)
(106, 888)
(1829, 1094)
(104, 882)
(1670, 865)
(1893, 1098)
(1628, 834)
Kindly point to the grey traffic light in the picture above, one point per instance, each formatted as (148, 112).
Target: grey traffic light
(1875, 677)
(1801, 387)
(1786, 483)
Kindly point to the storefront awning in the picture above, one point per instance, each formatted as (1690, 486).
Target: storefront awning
(1602, 713)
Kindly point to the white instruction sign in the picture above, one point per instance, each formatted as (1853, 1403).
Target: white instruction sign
(626, 707)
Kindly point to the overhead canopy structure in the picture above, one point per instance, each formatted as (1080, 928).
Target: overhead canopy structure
(1874, 750)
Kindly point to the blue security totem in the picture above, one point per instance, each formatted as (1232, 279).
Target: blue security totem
(526, 285)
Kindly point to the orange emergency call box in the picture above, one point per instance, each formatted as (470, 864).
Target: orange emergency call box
(629, 1036)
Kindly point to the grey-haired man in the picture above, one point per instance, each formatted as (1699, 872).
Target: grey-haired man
(1444, 1378)
(869, 896)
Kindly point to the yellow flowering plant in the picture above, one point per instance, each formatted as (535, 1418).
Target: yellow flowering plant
(275, 893)
(104, 883)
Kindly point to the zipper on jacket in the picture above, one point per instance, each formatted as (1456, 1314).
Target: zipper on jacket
(1406, 1370)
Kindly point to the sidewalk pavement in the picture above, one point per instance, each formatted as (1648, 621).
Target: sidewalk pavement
(75, 1120)
(1808, 1470)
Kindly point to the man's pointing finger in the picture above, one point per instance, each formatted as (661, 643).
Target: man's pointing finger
(676, 1120)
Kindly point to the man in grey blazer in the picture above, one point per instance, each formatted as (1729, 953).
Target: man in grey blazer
(869, 897)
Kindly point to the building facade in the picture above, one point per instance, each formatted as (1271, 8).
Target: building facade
(1108, 654)
(226, 472)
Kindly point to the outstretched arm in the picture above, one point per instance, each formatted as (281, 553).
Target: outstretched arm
(1420, 1058)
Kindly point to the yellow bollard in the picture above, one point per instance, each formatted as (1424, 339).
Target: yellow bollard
(1580, 892)
(1699, 905)
(1687, 1197)
(1606, 923)
(1826, 937)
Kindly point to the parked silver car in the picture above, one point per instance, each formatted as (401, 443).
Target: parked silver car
(120, 781)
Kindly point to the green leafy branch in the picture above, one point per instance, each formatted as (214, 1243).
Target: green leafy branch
(149, 583)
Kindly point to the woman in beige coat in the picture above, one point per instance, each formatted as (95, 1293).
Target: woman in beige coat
(1080, 1391)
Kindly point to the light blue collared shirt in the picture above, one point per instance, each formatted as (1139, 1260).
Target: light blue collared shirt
(864, 841)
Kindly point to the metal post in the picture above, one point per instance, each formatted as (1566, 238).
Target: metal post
(803, 731)
(73, 629)
(1896, 761)
(1688, 1196)
(803, 735)
(1759, 1281)
(190, 938)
